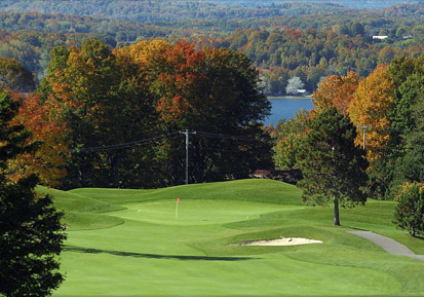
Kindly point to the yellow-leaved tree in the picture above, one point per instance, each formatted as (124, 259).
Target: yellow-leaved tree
(372, 103)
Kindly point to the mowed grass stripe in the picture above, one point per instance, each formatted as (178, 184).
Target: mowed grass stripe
(269, 276)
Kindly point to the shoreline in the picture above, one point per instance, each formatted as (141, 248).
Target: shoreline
(289, 97)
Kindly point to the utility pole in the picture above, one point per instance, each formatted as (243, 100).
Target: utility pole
(186, 133)
(186, 167)
(364, 133)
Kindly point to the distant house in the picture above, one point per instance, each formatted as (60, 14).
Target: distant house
(302, 92)
(261, 173)
(380, 37)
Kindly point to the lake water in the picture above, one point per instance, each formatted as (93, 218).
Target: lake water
(286, 108)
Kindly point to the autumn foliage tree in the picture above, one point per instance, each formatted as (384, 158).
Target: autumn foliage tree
(371, 107)
(48, 133)
(336, 91)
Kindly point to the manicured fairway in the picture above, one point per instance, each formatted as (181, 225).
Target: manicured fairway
(132, 243)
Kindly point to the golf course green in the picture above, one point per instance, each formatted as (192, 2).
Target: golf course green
(145, 243)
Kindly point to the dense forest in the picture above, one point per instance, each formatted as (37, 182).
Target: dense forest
(285, 40)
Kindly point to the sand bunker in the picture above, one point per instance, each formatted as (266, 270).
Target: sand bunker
(282, 242)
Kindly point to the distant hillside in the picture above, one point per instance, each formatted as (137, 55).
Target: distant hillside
(404, 10)
(171, 11)
(167, 10)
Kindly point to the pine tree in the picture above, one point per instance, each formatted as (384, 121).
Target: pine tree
(332, 165)
(30, 229)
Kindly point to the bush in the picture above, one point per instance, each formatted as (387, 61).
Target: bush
(409, 213)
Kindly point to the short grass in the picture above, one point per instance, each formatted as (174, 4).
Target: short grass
(134, 243)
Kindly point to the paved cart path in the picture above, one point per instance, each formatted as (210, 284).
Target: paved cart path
(389, 245)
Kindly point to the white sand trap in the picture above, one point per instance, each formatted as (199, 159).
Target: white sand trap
(282, 242)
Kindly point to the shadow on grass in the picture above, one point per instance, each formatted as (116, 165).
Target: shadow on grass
(354, 228)
(153, 256)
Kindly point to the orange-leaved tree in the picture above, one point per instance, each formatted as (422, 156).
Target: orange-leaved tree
(48, 132)
(336, 91)
(175, 75)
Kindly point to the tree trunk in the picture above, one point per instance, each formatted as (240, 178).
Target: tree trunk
(114, 174)
(336, 212)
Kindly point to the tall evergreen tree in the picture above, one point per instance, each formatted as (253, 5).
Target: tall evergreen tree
(30, 229)
(332, 165)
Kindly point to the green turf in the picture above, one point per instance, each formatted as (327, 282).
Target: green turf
(133, 243)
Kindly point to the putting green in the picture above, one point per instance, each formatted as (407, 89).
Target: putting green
(197, 212)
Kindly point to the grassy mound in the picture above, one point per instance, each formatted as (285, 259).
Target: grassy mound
(135, 243)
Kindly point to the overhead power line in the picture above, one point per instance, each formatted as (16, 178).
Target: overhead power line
(186, 133)
(224, 136)
(127, 145)
(142, 142)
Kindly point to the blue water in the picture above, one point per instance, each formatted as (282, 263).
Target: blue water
(286, 109)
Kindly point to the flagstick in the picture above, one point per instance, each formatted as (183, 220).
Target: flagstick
(176, 208)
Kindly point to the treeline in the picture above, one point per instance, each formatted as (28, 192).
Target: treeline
(115, 118)
(388, 106)
(65, 23)
(220, 15)
(177, 11)
(171, 11)
(217, 18)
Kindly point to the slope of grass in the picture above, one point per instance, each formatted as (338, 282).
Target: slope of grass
(135, 243)
(243, 190)
(72, 202)
(81, 212)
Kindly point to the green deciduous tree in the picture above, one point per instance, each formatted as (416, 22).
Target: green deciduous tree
(288, 137)
(410, 166)
(30, 230)
(409, 213)
(333, 166)
(402, 160)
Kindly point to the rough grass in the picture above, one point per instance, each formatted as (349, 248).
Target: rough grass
(131, 243)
